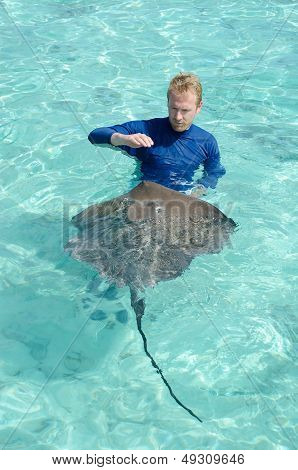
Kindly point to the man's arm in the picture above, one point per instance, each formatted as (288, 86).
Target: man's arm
(129, 134)
(213, 170)
(101, 136)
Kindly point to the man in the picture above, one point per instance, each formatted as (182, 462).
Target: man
(170, 149)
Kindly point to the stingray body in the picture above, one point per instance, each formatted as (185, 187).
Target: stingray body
(147, 235)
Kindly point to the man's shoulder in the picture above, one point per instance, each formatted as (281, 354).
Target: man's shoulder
(158, 121)
(157, 126)
(201, 133)
(148, 124)
(205, 139)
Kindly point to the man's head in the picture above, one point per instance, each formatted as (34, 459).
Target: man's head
(184, 100)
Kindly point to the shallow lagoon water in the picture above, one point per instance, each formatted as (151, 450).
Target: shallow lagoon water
(73, 371)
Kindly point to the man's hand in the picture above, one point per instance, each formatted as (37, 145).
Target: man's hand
(133, 140)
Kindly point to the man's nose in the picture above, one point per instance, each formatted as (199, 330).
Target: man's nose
(179, 116)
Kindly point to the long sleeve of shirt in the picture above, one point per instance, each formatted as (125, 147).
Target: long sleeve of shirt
(102, 135)
(213, 169)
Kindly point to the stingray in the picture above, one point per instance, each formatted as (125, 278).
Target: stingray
(145, 236)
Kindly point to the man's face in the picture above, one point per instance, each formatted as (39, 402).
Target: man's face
(182, 110)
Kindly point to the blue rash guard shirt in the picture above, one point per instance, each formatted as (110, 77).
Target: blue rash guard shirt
(174, 157)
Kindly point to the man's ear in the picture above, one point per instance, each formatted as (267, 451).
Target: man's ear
(199, 107)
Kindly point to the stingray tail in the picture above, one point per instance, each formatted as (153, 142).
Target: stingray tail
(138, 304)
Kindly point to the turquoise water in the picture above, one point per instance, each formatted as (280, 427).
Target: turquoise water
(73, 371)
